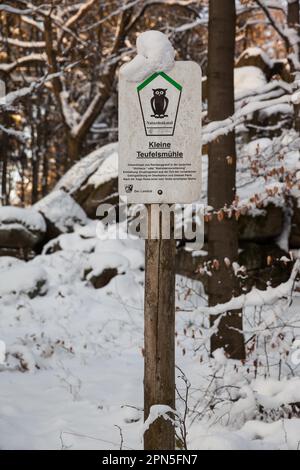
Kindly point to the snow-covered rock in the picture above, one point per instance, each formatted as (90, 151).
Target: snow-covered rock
(20, 228)
(70, 242)
(254, 56)
(263, 227)
(101, 268)
(248, 79)
(61, 212)
(24, 279)
(94, 179)
(112, 258)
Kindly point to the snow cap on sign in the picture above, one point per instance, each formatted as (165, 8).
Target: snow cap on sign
(155, 53)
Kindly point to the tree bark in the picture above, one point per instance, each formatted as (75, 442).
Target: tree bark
(222, 230)
(73, 151)
(159, 374)
(293, 16)
(4, 170)
(293, 19)
(4, 162)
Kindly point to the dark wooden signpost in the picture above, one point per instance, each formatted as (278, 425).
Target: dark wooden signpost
(160, 163)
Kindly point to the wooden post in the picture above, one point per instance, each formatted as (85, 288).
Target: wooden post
(159, 374)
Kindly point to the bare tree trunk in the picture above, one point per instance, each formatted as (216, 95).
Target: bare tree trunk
(293, 18)
(159, 374)
(4, 161)
(222, 230)
(35, 179)
(45, 154)
(73, 150)
(45, 173)
(4, 170)
(34, 156)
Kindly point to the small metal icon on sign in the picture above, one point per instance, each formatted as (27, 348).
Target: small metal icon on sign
(129, 188)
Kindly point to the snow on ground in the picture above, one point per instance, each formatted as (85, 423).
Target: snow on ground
(74, 365)
(21, 279)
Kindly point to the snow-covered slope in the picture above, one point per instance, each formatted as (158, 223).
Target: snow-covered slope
(74, 357)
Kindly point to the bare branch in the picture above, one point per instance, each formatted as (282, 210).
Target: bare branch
(25, 61)
(273, 22)
(23, 44)
(80, 13)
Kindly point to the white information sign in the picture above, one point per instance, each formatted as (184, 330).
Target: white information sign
(160, 136)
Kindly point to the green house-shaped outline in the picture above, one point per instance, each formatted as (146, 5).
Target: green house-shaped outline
(149, 80)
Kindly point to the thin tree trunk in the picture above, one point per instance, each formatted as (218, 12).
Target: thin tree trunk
(4, 171)
(293, 14)
(45, 173)
(44, 129)
(4, 160)
(222, 230)
(293, 18)
(34, 160)
(73, 151)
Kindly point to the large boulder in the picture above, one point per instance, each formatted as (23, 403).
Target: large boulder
(61, 212)
(261, 228)
(256, 57)
(94, 179)
(265, 265)
(20, 229)
(258, 228)
(101, 268)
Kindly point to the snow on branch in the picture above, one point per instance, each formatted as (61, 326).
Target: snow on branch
(216, 129)
(18, 134)
(8, 99)
(83, 9)
(266, 9)
(256, 297)
(11, 97)
(187, 26)
(23, 44)
(23, 61)
(289, 35)
(273, 85)
(18, 11)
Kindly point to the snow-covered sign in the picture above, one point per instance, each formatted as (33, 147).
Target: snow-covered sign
(160, 136)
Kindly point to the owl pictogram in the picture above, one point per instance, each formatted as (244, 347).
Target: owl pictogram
(159, 103)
